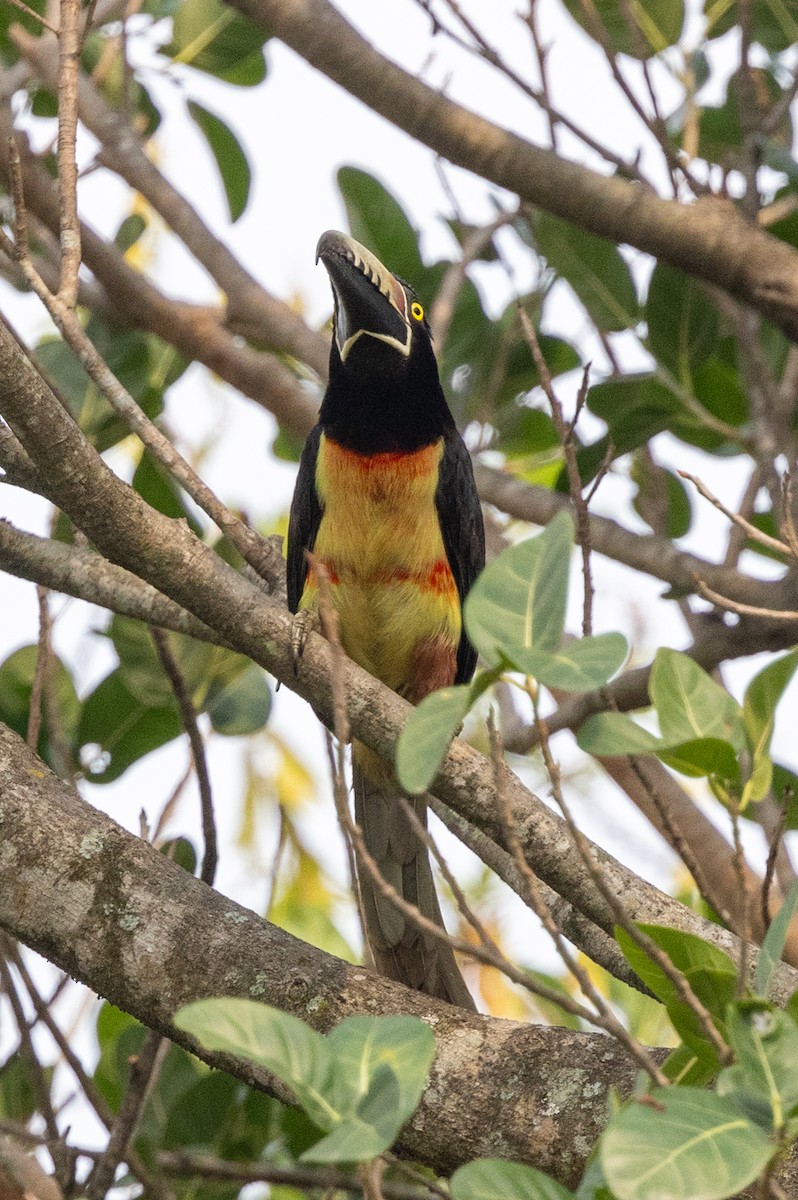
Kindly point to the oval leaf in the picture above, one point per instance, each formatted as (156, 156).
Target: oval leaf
(426, 736)
(275, 1040)
(230, 158)
(496, 1179)
(607, 735)
(519, 599)
(690, 704)
(595, 269)
(662, 1151)
(580, 666)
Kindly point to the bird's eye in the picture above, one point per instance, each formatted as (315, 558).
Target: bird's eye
(416, 311)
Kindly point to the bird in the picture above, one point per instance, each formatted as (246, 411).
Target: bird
(385, 499)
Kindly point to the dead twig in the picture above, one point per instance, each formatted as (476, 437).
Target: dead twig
(43, 658)
(188, 717)
(738, 519)
(565, 434)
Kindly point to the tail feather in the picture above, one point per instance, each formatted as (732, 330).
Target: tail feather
(401, 950)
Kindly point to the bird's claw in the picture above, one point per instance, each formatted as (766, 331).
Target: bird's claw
(305, 621)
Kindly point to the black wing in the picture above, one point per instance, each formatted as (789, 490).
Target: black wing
(304, 521)
(460, 518)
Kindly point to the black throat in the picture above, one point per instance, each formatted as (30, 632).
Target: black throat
(384, 406)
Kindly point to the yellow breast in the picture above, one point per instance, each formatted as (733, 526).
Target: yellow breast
(381, 543)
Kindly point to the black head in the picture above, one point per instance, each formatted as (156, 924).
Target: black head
(384, 391)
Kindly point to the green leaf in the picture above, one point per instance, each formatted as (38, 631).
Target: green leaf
(784, 787)
(378, 221)
(130, 231)
(116, 729)
(595, 270)
(607, 735)
(159, 488)
(773, 944)
(519, 599)
(380, 1068)
(635, 408)
(711, 974)
(359, 1084)
(230, 158)
(18, 1100)
(690, 704)
(278, 1041)
(656, 24)
(662, 500)
(759, 713)
(764, 1080)
(527, 431)
(213, 38)
(686, 1145)
(426, 735)
(241, 706)
(682, 322)
(702, 756)
(497, 1179)
(684, 1067)
(775, 22)
(579, 666)
(16, 686)
(361, 1045)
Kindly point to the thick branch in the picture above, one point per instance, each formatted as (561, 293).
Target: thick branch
(116, 914)
(88, 576)
(710, 239)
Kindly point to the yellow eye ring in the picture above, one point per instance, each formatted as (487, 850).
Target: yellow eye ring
(416, 311)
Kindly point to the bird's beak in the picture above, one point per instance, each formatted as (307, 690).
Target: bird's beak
(369, 300)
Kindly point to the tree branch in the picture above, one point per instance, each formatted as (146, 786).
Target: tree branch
(168, 555)
(710, 239)
(151, 938)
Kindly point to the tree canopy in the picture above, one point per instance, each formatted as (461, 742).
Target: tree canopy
(617, 340)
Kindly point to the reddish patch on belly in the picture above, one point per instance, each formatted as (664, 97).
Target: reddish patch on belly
(438, 578)
(433, 665)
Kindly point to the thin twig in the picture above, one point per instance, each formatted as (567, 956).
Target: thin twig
(31, 12)
(677, 841)
(755, 534)
(647, 944)
(184, 1165)
(775, 842)
(144, 1071)
(36, 1072)
(188, 717)
(424, 836)
(565, 434)
(748, 610)
(745, 933)
(258, 551)
(534, 898)
(43, 653)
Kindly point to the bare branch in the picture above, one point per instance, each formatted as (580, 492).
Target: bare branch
(709, 239)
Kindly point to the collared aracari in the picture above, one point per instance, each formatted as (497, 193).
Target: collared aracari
(385, 499)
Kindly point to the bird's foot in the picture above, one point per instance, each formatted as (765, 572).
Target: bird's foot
(305, 621)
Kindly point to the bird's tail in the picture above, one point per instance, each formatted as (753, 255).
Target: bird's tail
(401, 950)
